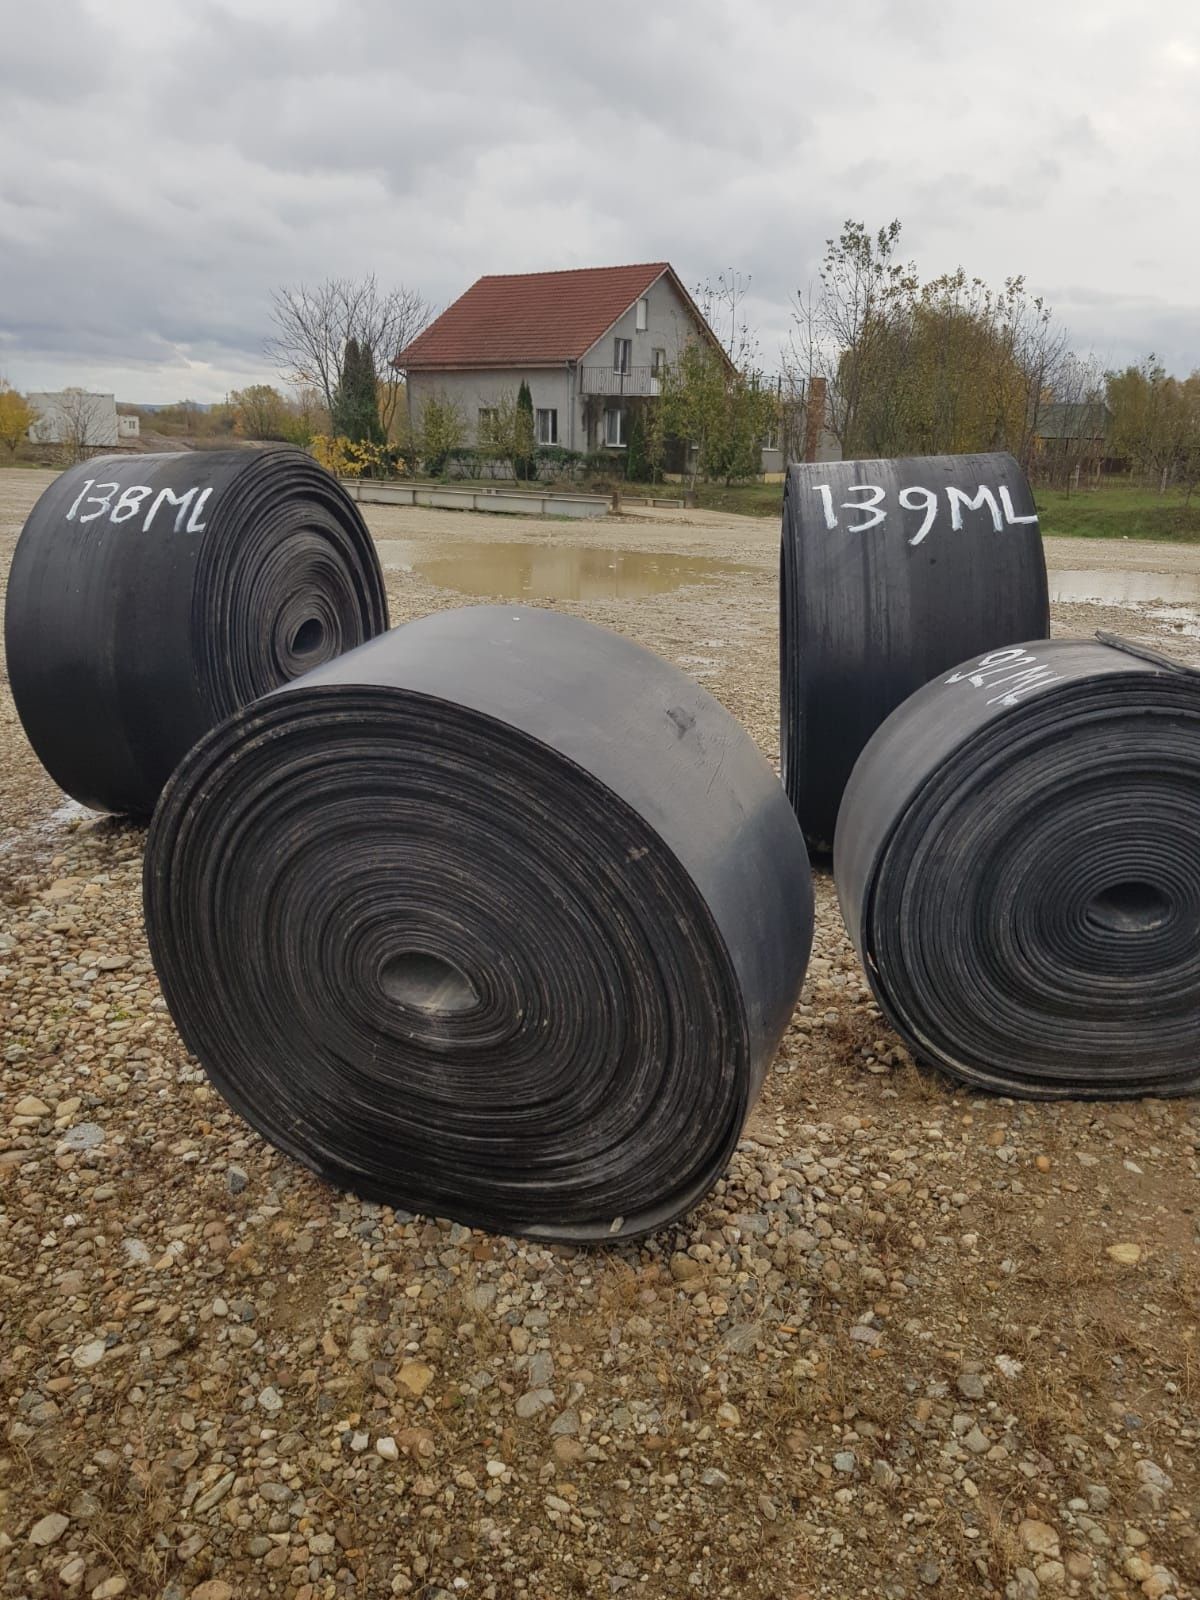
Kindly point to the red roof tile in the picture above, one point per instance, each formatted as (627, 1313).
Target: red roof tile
(532, 318)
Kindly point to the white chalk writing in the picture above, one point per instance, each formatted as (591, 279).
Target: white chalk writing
(1015, 672)
(927, 503)
(871, 507)
(1001, 512)
(188, 505)
(983, 496)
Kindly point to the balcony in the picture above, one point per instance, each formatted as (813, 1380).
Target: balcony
(611, 380)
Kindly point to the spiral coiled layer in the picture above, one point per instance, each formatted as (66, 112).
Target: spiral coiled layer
(152, 595)
(891, 572)
(498, 918)
(1018, 859)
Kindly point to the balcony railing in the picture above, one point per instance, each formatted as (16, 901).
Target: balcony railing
(611, 380)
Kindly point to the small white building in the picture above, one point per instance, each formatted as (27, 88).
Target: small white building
(75, 417)
(129, 427)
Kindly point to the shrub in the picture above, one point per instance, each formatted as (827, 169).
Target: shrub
(440, 433)
(465, 462)
(604, 467)
(556, 461)
(356, 458)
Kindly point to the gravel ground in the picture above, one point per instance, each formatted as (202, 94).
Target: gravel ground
(918, 1342)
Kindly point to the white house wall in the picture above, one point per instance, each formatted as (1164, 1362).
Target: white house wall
(669, 320)
(550, 388)
(94, 415)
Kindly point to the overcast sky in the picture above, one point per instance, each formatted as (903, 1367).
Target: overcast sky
(175, 161)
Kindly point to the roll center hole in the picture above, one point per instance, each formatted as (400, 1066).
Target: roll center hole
(308, 637)
(1130, 907)
(416, 978)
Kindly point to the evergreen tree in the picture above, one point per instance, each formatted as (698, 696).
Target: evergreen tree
(356, 400)
(524, 464)
(637, 458)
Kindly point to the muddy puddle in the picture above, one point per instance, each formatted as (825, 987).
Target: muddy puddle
(552, 572)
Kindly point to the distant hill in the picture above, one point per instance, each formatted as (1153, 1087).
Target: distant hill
(169, 405)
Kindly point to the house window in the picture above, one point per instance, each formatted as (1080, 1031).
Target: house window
(614, 427)
(643, 314)
(622, 354)
(487, 415)
(547, 427)
(658, 362)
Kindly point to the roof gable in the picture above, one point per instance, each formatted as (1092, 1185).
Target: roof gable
(1064, 419)
(532, 318)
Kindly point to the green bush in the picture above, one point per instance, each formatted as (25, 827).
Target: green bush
(606, 464)
(556, 461)
(465, 462)
(439, 433)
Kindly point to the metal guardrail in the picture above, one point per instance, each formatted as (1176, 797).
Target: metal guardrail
(611, 380)
(545, 502)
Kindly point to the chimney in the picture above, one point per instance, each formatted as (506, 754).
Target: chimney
(814, 418)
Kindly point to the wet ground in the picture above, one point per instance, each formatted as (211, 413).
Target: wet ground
(918, 1342)
(529, 571)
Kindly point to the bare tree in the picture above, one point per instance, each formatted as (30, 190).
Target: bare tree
(314, 324)
(844, 329)
(718, 303)
(1041, 351)
(914, 367)
(1073, 426)
(76, 422)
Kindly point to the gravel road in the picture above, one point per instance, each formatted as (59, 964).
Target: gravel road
(919, 1342)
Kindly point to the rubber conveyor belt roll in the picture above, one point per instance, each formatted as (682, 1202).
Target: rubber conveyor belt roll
(498, 917)
(891, 572)
(151, 595)
(1018, 863)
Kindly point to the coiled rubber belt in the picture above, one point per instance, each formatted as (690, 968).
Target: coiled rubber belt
(1018, 863)
(151, 595)
(891, 572)
(498, 917)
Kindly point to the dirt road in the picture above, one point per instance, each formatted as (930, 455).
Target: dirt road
(919, 1342)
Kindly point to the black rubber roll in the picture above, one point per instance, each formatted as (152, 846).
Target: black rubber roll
(151, 595)
(891, 572)
(498, 918)
(1018, 862)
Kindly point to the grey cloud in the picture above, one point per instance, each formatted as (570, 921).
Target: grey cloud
(1125, 328)
(176, 165)
(56, 65)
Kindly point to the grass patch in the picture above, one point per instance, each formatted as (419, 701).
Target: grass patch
(747, 499)
(1115, 511)
(1118, 511)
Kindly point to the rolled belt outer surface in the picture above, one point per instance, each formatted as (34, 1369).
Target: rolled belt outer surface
(1018, 864)
(891, 572)
(151, 595)
(498, 917)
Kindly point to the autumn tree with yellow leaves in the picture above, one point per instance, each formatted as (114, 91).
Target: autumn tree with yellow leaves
(16, 416)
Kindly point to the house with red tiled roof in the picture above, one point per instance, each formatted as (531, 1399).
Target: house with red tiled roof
(590, 343)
